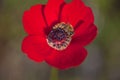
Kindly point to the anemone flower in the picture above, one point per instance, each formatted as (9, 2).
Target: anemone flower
(58, 32)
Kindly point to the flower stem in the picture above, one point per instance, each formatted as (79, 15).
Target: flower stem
(54, 74)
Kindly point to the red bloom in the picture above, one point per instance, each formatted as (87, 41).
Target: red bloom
(57, 32)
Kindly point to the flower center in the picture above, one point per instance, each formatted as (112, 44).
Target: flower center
(60, 36)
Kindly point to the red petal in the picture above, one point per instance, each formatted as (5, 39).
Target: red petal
(33, 20)
(88, 20)
(71, 57)
(87, 37)
(52, 11)
(74, 12)
(81, 17)
(35, 47)
(35, 57)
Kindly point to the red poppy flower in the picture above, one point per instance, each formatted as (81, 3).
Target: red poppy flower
(57, 32)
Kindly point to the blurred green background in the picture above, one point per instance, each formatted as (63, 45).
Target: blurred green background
(102, 63)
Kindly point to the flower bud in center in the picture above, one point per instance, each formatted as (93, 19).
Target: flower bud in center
(60, 36)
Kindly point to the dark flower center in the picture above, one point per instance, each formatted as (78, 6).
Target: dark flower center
(57, 35)
(60, 36)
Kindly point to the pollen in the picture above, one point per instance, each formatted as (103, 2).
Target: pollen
(60, 36)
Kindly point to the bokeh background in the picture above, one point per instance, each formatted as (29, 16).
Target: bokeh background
(102, 62)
